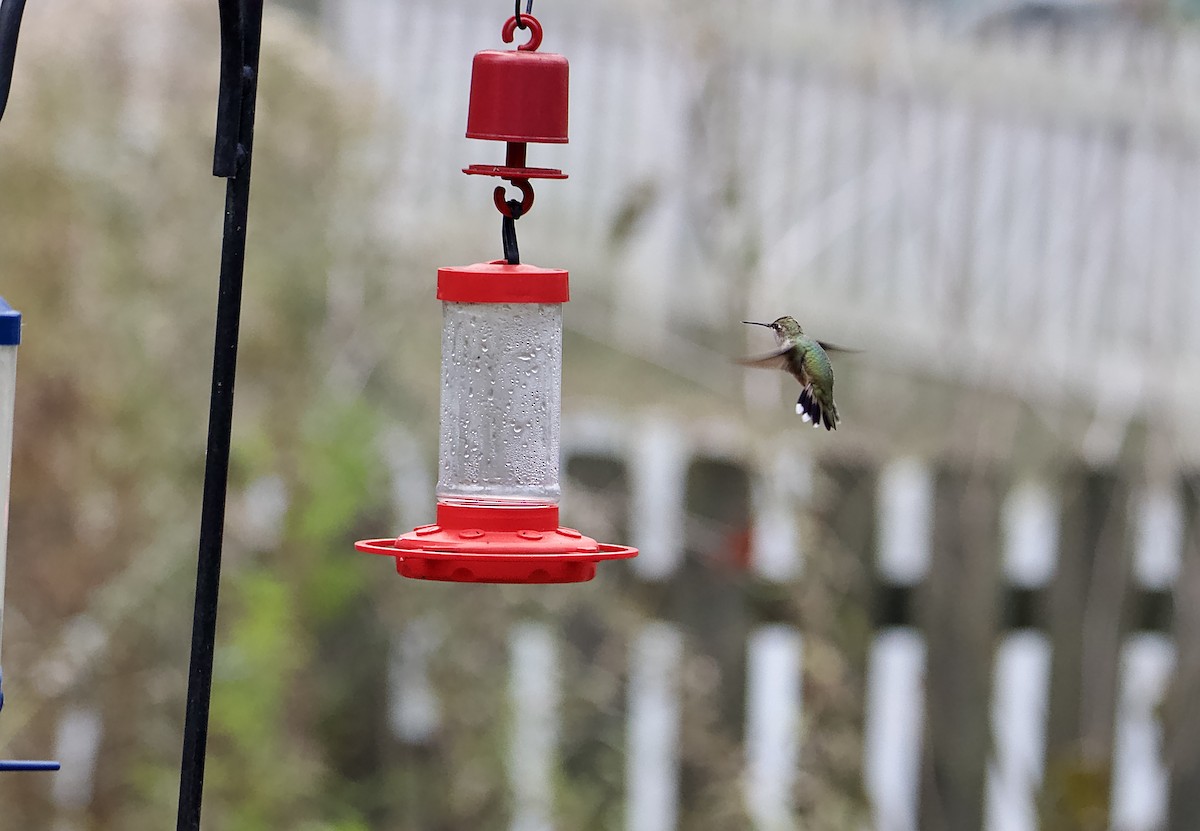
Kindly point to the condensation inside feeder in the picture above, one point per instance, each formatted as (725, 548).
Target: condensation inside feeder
(501, 402)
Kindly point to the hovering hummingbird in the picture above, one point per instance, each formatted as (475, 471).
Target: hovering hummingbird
(805, 359)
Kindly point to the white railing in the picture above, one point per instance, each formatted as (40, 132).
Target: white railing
(777, 724)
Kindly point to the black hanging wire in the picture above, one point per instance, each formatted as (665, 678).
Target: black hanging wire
(508, 225)
(517, 11)
(508, 232)
(241, 36)
(10, 27)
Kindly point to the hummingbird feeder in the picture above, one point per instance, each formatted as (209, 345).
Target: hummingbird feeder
(10, 339)
(498, 457)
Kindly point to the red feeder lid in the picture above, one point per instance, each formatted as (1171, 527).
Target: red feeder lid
(499, 282)
(496, 544)
(519, 95)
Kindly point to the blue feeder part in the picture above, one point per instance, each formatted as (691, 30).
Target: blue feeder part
(11, 765)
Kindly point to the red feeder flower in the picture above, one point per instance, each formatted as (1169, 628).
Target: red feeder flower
(498, 491)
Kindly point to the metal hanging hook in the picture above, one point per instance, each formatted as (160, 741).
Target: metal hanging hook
(526, 21)
(512, 210)
(502, 204)
(240, 31)
(10, 27)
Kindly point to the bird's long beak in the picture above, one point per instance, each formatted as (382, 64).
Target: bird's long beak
(756, 323)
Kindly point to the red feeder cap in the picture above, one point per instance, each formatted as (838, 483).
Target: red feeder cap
(499, 282)
(519, 95)
(496, 544)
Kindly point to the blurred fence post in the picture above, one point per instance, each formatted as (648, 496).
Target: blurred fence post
(1139, 778)
(534, 692)
(77, 747)
(657, 471)
(1147, 661)
(895, 686)
(1182, 715)
(843, 515)
(774, 700)
(1087, 620)
(780, 492)
(1021, 676)
(958, 615)
(652, 743)
(709, 598)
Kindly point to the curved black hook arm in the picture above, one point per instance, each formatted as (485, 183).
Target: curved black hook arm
(229, 96)
(10, 27)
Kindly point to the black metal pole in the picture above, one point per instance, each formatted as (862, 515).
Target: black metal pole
(241, 34)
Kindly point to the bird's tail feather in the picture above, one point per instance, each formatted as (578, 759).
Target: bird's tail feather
(812, 409)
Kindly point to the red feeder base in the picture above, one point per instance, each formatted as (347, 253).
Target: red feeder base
(496, 544)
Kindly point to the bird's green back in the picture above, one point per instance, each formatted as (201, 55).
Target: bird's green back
(816, 362)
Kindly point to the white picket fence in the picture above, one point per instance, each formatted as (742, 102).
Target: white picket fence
(657, 457)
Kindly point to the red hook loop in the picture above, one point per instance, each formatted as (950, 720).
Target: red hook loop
(529, 22)
(526, 196)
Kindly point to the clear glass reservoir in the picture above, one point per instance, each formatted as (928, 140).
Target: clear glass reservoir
(501, 402)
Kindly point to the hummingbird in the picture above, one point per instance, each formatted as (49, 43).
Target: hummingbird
(805, 359)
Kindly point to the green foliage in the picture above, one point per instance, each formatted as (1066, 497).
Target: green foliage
(255, 774)
(1076, 794)
(340, 478)
(339, 467)
(109, 245)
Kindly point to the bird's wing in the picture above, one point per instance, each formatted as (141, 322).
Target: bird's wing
(833, 347)
(775, 359)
